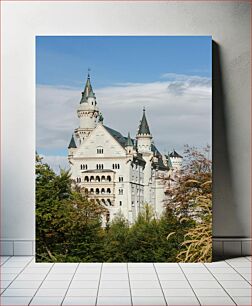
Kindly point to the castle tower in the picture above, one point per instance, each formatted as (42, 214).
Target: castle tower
(87, 112)
(129, 145)
(176, 160)
(72, 146)
(144, 136)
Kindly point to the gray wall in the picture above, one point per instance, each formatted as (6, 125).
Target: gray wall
(229, 25)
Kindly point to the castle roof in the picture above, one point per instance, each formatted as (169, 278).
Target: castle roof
(175, 154)
(129, 142)
(72, 143)
(143, 127)
(88, 91)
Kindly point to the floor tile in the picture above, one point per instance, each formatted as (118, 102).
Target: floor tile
(197, 270)
(21, 258)
(112, 277)
(8, 276)
(110, 269)
(190, 300)
(209, 292)
(14, 264)
(142, 277)
(247, 277)
(145, 284)
(235, 284)
(141, 271)
(200, 276)
(5, 283)
(9, 270)
(29, 276)
(242, 264)
(63, 269)
(239, 291)
(40, 265)
(237, 259)
(25, 284)
(51, 292)
(204, 284)
(174, 284)
(243, 270)
(219, 270)
(19, 292)
(55, 284)
(220, 264)
(29, 270)
(82, 292)
(172, 276)
(79, 300)
(15, 300)
(229, 276)
(85, 284)
(86, 277)
(103, 300)
(140, 264)
(146, 292)
(59, 277)
(47, 300)
(88, 270)
(243, 300)
(220, 300)
(147, 300)
(114, 284)
(169, 270)
(114, 292)
(178, 292)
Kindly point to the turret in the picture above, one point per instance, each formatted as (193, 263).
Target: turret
(129, 145)
(144, 136)
(72, 146)
(87, 112)
(176, 160)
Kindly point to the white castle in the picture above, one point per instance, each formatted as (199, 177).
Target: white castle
(121, 172)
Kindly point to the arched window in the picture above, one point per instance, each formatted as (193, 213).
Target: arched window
(86, 179)
(118, 166)
(109, 178)
(97, 179)
(103, 178)
(99, 150)
(108, 190)
(109, 202)
(91, 179)
(92, 190)
(102, 190)
(97, 191)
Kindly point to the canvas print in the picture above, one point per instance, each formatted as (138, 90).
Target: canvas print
(123, 149)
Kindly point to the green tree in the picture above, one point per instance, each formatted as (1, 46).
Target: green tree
(68, 224)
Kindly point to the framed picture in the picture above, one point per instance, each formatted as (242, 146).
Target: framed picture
(124, 158)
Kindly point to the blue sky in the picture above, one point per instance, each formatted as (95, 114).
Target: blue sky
(63, 60)
(170, 75)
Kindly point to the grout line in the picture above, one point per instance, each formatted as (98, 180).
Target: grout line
(16, 276)
(70, 283)
(41, 283)
(96, 300)
(160, 283)
(239, 272)
(189, 283)
(131, 299)
(220, 284)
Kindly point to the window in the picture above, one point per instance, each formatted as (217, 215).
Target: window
(99, 150)
(99, 166)
(78, 180)
(120, 191)
(120, 203)
(83, 166)
(120, 179)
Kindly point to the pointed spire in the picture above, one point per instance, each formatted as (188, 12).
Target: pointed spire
(72, 143)
(129, 142)
(88, 90)
(144, 127)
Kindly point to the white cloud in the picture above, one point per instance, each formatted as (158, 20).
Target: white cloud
(56, 162)
(178, 110)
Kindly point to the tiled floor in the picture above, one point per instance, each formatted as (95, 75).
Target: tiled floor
(24, 282)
